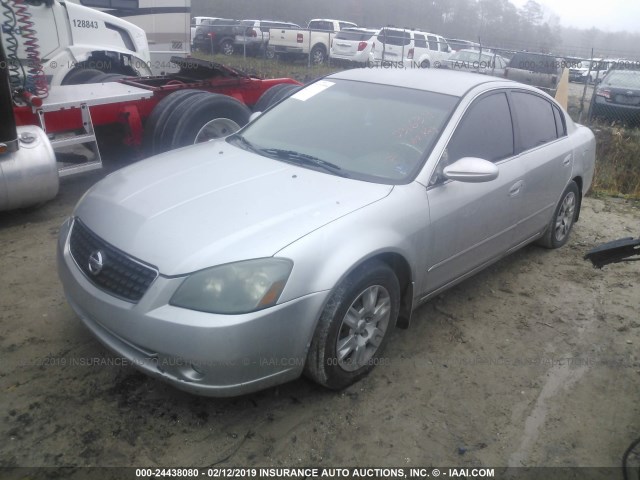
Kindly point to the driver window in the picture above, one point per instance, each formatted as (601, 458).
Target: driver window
(485, 132)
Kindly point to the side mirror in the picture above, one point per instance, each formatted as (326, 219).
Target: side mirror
(471, 170)
(254, 115)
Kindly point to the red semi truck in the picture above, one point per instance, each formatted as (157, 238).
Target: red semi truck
(202, 101)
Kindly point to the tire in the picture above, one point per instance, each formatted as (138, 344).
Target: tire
(108, 77)
(154, 126)
(269, 53)
(564, 216)
(318, 55)
(425, 64)
(226, 47)
(221, 114)
(324, 365)
(80, 76)
(273, 95)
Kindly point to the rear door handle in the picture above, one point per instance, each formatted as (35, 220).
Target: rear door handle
(567, 161)
(516, 188)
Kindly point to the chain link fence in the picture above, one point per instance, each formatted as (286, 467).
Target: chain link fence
(603, 93)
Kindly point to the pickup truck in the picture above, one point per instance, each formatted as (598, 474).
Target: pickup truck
(314, 41)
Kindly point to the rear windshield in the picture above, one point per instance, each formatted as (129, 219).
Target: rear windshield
(394, 37)
(534, 63)
(623, 79)
(354, 35)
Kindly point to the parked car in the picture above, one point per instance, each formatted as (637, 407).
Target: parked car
(457, 44)
(476, 61)
(354, 45)
(537, 69)
(216, 36)
(254, 35)
(196, 22)
(238, 264)
(617, 97)
(411, 48)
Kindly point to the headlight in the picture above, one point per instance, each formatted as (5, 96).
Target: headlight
(235, 288)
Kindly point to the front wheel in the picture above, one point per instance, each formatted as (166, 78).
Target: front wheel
(564, 216)
(354, 326)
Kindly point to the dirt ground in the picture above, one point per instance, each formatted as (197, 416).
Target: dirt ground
(533, 362)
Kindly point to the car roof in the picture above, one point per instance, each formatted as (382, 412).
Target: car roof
(435, 80)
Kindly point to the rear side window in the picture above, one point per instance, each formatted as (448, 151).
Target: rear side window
(536, 120)
(485, 131)
(420, 41)
(561, 127)
(392, 36)
(321, 25)
(433, 42)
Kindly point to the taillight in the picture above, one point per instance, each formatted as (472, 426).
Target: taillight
(362, 46)
(410, 54)
(253, 33)
(211, 34)
(604, 93)
(299, 38)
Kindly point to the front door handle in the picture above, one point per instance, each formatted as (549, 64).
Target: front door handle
(516, 188)
(567, 161)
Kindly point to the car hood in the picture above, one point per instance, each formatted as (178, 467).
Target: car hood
(214, 203)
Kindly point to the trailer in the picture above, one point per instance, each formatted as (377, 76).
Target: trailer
(202, 101)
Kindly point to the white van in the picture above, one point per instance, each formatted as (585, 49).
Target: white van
(412, 48)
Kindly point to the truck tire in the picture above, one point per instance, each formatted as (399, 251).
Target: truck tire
(80, 76)
(226, 47)
(203, 117)
(274, 95)
(318, 55)
(154, 126)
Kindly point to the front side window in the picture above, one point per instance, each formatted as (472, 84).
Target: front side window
(536, 120)
(433, 42)
(486, 131)
(382, 141)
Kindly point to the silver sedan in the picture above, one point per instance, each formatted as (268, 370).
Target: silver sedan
(296, 245)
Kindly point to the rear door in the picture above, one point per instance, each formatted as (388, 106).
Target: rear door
(394, 44)
(546, 154)
(473, 223)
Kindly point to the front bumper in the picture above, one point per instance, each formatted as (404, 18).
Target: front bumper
(202, 353)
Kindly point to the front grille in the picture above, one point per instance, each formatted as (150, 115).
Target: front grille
(119, 275)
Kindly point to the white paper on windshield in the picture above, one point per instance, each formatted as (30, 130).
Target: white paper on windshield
(312, 90)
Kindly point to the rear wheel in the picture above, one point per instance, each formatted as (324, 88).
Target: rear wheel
(425, 64)
(318, 55)
(153, 129)
(226, 47)
(354, 326)
(204, 117)
(80, 76)
(564, 216)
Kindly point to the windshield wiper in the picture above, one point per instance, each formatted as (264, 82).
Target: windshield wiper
(299, 158)
(245, 143)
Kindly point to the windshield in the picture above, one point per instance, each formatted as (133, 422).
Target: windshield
(367, 131)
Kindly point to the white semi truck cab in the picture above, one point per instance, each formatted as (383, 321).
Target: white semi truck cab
(57, 40)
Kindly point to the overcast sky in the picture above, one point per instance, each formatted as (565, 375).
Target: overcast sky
(610, 15)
